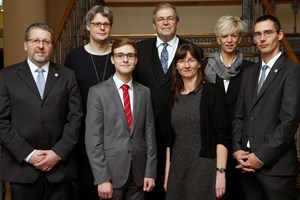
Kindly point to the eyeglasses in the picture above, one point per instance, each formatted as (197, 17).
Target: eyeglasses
(181, 63)
(99, 24)
(37, 42)
(161, 20)
(266, 34)
(129, 56)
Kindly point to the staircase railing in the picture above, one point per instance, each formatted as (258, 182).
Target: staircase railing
(57, 56)
(64, 20)
(254, 8)
(71, 32)
(285, 42)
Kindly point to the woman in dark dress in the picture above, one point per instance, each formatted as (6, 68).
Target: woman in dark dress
(92, 65)
(200, 124)
(225, 68)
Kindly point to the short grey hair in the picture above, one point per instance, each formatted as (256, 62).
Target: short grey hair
(163, 6)
(103, 10)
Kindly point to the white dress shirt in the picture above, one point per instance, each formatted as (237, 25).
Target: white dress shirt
(119, 84)
(33, 67)
(172, 47)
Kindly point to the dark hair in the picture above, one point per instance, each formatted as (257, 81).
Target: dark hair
(276, 22)
(103, 10)
(177, 83)
(163, 6)
(42, 26)
(122, 42)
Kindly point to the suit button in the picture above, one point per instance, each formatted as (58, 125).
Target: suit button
(252, 118)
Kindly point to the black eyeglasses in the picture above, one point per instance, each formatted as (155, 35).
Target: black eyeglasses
(99, 24)
(121, 56)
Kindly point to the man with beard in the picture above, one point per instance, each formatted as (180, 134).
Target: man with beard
(40, 120)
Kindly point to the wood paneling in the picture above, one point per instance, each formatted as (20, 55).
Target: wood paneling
(146, 3)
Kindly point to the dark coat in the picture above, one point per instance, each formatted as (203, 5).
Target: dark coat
(28, 122)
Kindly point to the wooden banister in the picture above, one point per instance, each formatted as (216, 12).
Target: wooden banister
(285, 42)
(64, 19)
(138, 3)
(70, 34)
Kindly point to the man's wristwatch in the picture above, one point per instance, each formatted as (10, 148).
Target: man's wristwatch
(221, 170)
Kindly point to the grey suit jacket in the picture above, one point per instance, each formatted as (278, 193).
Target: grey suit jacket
(270, 119)
(111, 148)
(28, 122)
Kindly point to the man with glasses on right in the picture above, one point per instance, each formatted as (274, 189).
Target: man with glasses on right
(266, 119)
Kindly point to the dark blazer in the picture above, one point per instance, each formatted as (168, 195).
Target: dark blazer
(111, 148)
(28, 122)
(215, 125)
(270, 119)
(148, 72)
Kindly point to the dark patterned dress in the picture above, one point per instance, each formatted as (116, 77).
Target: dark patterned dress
(191, 177)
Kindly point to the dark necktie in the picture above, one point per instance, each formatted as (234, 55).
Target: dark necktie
(40, 81)
(127, 108)
(262, 77)
(164, 57)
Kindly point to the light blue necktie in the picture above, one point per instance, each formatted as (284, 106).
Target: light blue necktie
(164, 57)
(262, 77)
(40, 80)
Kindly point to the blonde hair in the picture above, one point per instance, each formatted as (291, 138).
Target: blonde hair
(228, 24)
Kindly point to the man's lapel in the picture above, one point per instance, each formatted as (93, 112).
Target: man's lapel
(137, 96)
(272, 74)
(53, 75)
(25, 74)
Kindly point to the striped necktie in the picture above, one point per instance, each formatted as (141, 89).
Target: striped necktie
(127, 108)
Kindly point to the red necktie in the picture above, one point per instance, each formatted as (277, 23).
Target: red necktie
(126, 100)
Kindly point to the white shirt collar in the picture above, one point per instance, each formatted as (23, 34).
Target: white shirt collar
(272, 61)
(33, 67)
(119, 83)
(171, 43)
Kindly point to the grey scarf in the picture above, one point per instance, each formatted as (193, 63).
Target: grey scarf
(216, 67)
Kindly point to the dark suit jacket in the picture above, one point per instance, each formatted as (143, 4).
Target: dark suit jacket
(270, 119)
(148, 72)
(111, 148)
(28, 122)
